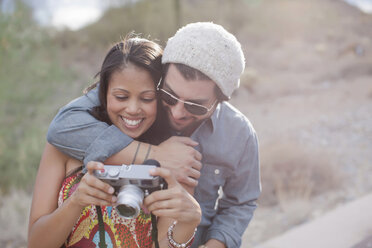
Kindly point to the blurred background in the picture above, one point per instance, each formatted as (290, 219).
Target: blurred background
(307, 89)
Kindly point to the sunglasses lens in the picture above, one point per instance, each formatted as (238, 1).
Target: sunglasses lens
(167, 98)
(195, 110)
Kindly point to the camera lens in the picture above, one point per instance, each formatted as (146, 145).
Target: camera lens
(126, 211)
(129, 202)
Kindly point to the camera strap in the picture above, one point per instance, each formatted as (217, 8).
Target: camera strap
(101, 228)
(154, 231)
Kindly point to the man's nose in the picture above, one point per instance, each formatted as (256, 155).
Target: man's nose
(178, 110)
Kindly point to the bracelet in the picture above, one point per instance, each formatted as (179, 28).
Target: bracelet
(174, 244)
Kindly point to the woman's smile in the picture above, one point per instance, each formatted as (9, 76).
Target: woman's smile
(132, 123)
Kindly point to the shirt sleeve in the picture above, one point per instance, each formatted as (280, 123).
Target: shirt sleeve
(75, 132)
(238, 202)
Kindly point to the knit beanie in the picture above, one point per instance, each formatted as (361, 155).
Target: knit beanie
(212, 50)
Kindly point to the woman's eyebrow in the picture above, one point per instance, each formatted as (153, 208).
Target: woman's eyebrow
(148, 91)
(126, 91)
(120, 89)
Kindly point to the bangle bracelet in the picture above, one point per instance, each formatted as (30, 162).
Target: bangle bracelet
(174, 244)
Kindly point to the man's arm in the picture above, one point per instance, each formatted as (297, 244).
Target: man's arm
(240, 192)
(176, 154)
(75, 132)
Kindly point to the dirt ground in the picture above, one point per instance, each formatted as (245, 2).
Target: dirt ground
(308, 86)
(343, 227)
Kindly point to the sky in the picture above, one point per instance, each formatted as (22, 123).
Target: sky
(75, 14)
(71, 14)
(363, 5)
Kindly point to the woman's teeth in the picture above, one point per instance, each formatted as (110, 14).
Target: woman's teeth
(131, 122)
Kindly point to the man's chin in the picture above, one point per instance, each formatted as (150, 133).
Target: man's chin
(185, 130)
(177, 128)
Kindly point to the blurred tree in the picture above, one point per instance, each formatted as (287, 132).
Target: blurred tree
(177, 11)
(30, 72)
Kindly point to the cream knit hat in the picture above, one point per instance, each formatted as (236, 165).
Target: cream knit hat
(209, 48)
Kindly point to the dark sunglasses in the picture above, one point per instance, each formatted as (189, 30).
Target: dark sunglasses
(193, 108)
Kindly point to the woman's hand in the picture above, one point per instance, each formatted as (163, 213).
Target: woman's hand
(93, 191)
(175, 202)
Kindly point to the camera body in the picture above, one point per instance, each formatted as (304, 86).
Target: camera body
(131, 183)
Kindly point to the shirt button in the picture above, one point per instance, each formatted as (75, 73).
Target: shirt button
(216, 171)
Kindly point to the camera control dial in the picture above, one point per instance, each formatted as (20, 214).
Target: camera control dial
(114, 172)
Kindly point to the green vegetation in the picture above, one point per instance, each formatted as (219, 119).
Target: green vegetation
(30, 74)
(159, 20)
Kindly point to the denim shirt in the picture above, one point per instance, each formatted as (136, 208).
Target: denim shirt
(229, 184)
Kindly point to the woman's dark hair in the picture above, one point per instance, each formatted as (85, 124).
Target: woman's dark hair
(145, 54)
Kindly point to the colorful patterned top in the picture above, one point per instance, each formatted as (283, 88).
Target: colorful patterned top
(119, 232)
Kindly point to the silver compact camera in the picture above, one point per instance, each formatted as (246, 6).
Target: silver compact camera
(131, 183)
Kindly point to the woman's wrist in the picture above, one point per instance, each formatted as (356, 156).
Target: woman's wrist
(194, 222)
(74, 203)
(174, 242)
(192, 219)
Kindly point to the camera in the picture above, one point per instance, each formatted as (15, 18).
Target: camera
(131, 183)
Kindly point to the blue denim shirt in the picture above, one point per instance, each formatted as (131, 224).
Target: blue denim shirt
(230, 181)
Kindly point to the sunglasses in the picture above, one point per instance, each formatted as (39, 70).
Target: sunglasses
(192, 108)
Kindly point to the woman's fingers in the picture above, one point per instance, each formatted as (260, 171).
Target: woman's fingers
(97, 192)
(162, 199)
(166, 175)
(94, 165)
(92, 190)
(94, 182)
(183, 209)
(174, 202)
(174, 188)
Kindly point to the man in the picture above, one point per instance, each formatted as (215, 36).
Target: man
(203, 64)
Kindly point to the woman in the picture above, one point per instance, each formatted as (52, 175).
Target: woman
(128, 79)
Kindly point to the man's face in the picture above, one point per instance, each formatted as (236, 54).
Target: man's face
(200, 92)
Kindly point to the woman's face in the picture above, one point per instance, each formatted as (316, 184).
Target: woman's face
(131, 100)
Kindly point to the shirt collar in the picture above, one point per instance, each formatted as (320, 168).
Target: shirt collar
(211, 122)
(215, 116)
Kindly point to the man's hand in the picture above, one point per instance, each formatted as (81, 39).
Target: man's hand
(178, 155)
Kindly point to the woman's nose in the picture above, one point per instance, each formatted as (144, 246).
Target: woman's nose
(133, 107)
